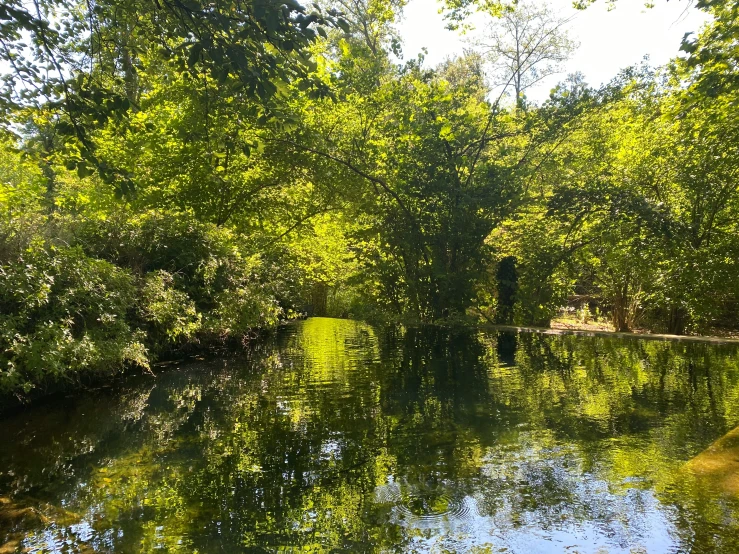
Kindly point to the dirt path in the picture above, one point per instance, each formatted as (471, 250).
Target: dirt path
(597, 333)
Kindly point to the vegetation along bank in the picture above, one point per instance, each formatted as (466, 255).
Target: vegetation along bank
(179, 175)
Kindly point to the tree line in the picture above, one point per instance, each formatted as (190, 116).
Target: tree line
(180, 174)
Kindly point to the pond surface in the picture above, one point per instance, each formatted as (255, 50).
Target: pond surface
(335, 436)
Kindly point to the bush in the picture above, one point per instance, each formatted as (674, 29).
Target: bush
(64, 315)
(189, 268)
(121, 291)
(170, 315)
(241, 301)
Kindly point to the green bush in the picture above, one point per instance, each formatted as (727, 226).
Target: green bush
(190, 266)
(171, 316)
(122, 291)
(64, 315)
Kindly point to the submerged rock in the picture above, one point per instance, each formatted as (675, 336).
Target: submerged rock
(719, 463)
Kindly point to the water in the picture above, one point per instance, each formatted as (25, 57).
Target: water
(338, 437)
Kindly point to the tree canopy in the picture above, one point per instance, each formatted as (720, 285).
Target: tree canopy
(180, 173)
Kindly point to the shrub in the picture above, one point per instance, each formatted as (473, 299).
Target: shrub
(242, 303)
(64, 315)
(189, 268)
(170, 315)
(121, 291)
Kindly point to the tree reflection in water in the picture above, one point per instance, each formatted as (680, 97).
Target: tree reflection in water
(336, 435)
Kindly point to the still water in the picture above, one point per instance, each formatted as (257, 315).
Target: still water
(334, 436)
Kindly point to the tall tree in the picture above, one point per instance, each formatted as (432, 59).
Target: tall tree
(82, 59)
(372, 21)
(527, 43)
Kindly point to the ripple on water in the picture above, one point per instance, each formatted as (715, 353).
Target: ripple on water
(429, 509)
(388, 493)
(422, 506)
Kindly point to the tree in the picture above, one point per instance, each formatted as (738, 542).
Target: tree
(85, 64)
(507, 283)
(419, 155)
(528, 43)
(371, 21)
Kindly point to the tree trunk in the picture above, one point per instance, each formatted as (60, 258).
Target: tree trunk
(319, 299)
(620, 314)
(507, 283)
(677, 320)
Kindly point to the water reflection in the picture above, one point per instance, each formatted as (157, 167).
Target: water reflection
(337, 436)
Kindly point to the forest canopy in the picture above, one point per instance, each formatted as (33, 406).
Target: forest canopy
(180, 174)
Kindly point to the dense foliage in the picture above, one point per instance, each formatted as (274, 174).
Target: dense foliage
(181, 174)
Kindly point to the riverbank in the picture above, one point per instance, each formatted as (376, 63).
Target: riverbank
(613, 334)
(84, 299)
(201, 351)
(192, 352)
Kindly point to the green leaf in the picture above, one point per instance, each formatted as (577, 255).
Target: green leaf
(294, 5)
(84, 171)
(194, 56)
(343, 24)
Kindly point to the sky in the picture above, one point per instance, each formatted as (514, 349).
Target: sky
(609, 40)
